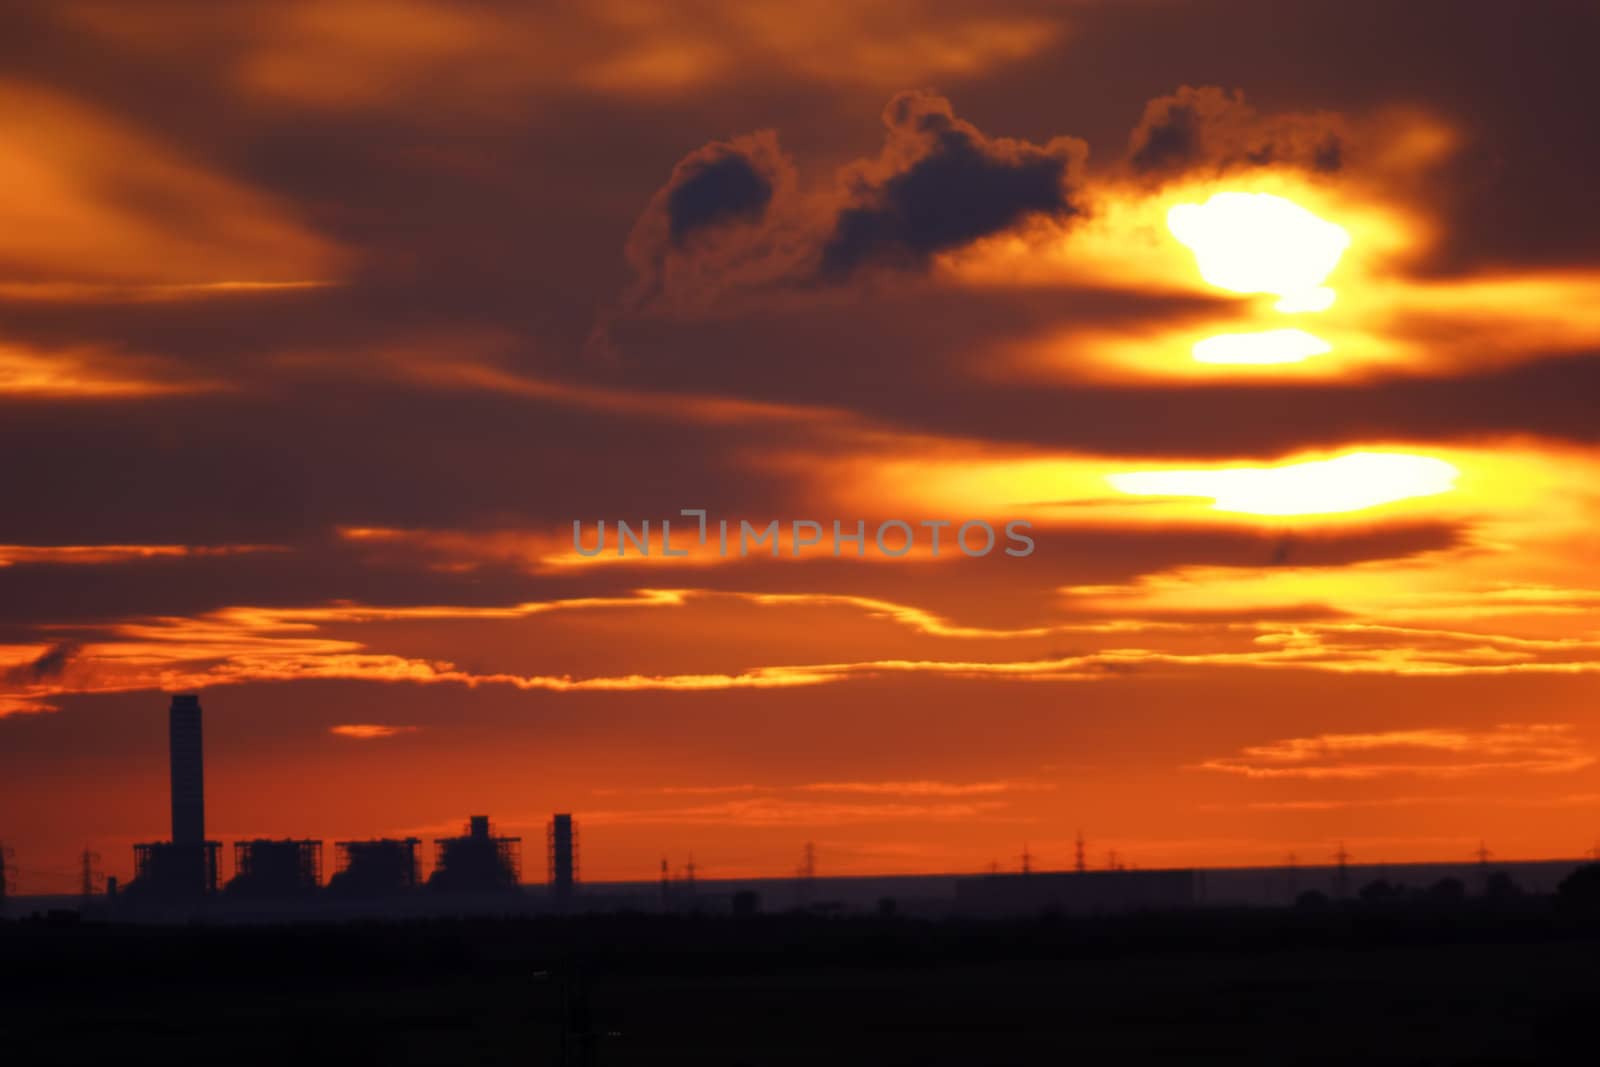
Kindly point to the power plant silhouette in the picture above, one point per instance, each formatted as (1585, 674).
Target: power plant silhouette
(479, 871)
(186, 865)
(183, 870)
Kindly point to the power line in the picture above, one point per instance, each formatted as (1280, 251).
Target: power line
(90, 878)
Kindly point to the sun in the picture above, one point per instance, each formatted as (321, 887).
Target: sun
(1320, 487)
(1261, 243)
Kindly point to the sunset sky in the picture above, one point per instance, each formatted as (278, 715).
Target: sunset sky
(1279, 323)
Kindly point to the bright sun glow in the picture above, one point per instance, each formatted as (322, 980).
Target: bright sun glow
(1264, 346)
(1260, 243)
(1348, 483)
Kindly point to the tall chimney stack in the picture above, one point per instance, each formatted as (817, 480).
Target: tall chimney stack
(563, 841)
(188, 771)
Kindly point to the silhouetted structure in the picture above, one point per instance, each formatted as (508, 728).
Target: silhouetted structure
(186, 757)
(88, 877)
(377, 867)
(562, 835)
(170, 870)
(477, 861)
(5, 876)
(185, 866)
(264, 868)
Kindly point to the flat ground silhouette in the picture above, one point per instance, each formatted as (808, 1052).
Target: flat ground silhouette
(1386, 986)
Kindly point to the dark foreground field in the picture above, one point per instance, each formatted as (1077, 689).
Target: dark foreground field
(1223, 988)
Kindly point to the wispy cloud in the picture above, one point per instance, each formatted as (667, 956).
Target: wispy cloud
(94, 202)
(87, 373)
(14, 555)
(367, 731)
(252, 644)
(924, 788)
(781, 811)
(680, 790)
(1539, 748)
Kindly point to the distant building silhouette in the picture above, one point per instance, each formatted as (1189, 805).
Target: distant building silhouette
(264, 868)
(477, 861)
(377, 867)
(185, 866)
(169, 870)
(562, 840)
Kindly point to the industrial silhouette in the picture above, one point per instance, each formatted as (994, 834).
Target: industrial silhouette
(187, 757)
(478, 861)
(378, 867)
(265, 868)
(479, 869)
(186, 865)
(183, 870)
(562, 846)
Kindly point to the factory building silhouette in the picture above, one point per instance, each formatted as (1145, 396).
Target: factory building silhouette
(186, 865)
(562, 846)
(264, 868)
(184, 869)
(480, 868)
(477, 861)
(378, 867)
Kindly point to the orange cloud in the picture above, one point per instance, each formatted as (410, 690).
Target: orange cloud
(346, 641)
(366, 731)
(92, 201)
(922, 788)
(1539, 748)
(366, 54)
(779, 811)
(86, 373)
(83, 555)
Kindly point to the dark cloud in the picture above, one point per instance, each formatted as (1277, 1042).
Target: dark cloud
(730, 215)
(1014, 592)
(716, 185)
(709, 218)
(916, 358)
(1209, 129)
(940, 184)
(50, 665)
